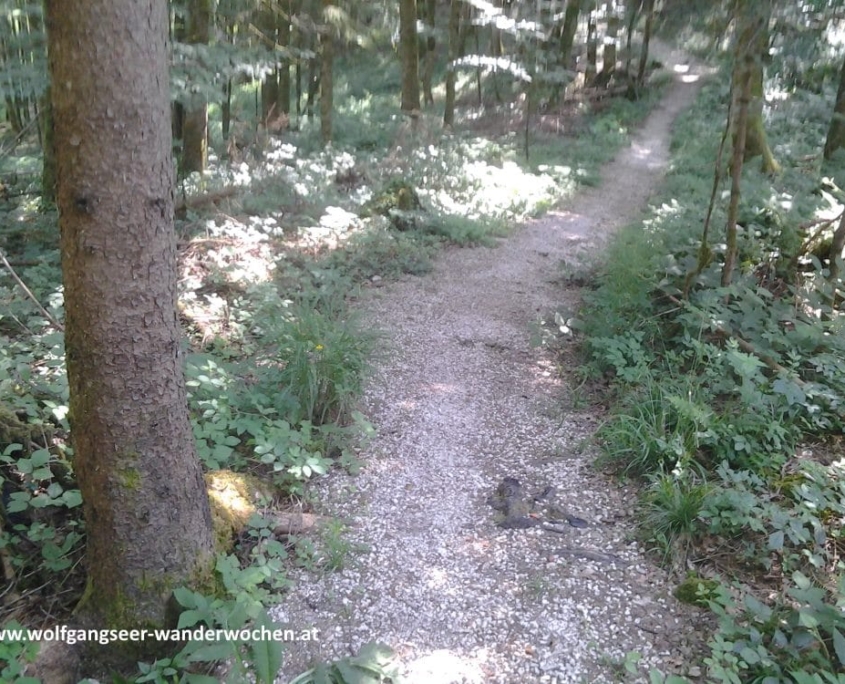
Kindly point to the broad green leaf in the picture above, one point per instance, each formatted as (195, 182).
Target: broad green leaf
(267, 653)
(776, 541)
(839, 645)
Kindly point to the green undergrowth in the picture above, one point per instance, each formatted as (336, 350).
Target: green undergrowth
(728, 404)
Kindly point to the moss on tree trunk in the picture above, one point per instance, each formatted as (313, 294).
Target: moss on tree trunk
(751, 53)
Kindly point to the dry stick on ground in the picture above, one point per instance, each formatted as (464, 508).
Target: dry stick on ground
(29, 294)
(820, 226)
(208, 198)
(20, 136)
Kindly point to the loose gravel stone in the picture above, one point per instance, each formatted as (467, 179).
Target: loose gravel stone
(461, 400)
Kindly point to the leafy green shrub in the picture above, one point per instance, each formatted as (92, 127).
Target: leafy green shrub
(797, 639)
(375, 663)
(15, 655)
(315, 356)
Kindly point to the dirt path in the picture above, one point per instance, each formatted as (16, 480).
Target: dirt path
(461, 401)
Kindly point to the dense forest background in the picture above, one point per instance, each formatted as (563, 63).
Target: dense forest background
(262, 162)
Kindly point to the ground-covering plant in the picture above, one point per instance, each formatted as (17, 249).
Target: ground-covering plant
(726, 401)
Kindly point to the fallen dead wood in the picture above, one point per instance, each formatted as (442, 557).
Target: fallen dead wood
(195, 201)
(294, 523)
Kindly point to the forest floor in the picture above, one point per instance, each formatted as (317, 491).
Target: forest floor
(462, 398)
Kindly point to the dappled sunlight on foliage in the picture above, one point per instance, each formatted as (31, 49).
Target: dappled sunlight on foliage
(728, 399)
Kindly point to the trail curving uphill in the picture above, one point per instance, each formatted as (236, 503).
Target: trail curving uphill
(461, 401)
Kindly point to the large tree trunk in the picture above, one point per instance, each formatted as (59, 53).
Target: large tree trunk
(144, 500)
(836, 132)
(408, 53)
(195, 124)
(326, 74)
(752, 49)
(454, 53)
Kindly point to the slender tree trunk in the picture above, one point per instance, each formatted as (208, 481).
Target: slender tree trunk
(567, 33)
(299, 43)
(195, 125)
(270, 83)
(313, 85)
(326, 75)
(430, 9)
(633, 14)
(144, 500)
(648, 9)
(753, 41)
(408, 52)
(836, 132)
(226, 109)
(743, 71)
(284, 69)
(180, 31)
(592, 49)
(226, 105)
(609, 53)
(454, 53)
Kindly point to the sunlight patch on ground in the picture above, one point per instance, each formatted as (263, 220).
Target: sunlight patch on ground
(661, 214)
(444, 666)
(498, 190)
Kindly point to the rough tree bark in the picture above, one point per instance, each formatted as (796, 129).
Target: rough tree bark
(144, 500)
(195, 123)
(408, 53)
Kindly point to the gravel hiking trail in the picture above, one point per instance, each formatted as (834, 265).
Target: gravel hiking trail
(460, 400)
